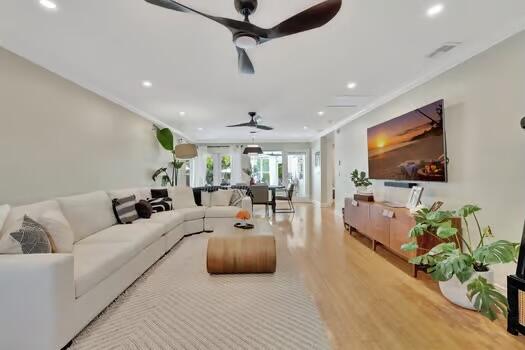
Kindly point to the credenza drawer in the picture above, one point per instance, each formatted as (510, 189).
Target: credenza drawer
(359, 215)
(379, 224)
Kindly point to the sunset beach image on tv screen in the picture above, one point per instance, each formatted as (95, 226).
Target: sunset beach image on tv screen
(410, 147)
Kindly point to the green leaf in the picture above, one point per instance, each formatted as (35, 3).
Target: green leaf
(467, 210)
(409, 247)
(499, 252)
(451, 263)
(418, 230)
(426, 259)
(445, 232)
(487, 300)
(464, 275)
(165, 138)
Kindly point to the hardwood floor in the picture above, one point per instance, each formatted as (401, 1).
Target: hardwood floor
(369, 300)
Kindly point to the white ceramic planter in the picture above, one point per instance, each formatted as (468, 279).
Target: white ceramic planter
(364, 190)
(456, 292)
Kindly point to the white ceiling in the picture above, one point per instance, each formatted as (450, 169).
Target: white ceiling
(111, 46)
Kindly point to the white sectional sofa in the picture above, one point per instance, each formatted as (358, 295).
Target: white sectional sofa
(46, 299)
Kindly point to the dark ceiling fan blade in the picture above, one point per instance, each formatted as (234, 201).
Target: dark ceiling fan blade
(314, 17)
(240, 125)
(233, 25)
(264, 127)
(245, 64)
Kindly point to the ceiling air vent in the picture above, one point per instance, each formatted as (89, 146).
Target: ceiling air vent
(443, 49)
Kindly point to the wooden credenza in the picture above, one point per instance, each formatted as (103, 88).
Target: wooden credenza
(387, 226)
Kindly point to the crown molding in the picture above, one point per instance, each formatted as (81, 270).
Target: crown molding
(497, 38)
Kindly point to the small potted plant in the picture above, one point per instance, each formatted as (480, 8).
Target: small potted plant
(361, 182)
(462, 267)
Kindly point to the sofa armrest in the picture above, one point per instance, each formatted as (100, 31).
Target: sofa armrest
(36, 300)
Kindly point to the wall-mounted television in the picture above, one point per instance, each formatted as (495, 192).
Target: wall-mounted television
(410, 147)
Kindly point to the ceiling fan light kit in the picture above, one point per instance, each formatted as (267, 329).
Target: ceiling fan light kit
(247, 35)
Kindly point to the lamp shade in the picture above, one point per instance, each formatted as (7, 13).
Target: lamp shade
(186, 151)
(253, 149)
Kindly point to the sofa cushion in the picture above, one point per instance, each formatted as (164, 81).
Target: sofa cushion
(88, 213)
(192, 213)
(141, 193)
(35, 210)
(169, 219)
(221, 198)
(59, 229)
(29, 238)
(222, 212)
(101, 254)
(182, 197)
(140, 236)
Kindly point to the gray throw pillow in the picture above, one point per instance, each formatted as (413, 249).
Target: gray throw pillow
(32, 237)
(237, 197)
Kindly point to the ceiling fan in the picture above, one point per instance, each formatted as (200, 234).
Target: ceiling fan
(253, 123)
(247, 35)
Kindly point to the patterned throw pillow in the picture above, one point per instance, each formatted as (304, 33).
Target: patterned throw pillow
(124, 209)
(30, 238)
(159, 193)
(160, 204)
(237, 196)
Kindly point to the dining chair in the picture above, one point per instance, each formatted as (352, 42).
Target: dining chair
(286, 196)
(260, 195)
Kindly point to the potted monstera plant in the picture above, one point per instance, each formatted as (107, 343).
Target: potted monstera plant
(461, 266)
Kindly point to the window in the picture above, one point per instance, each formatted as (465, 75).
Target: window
(268, 168)
(209, 170)
(226, 170)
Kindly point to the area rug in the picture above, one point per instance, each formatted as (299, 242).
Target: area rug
(177, 305)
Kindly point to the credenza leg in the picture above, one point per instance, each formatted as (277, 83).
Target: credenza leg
(414, 271)
(374, 245)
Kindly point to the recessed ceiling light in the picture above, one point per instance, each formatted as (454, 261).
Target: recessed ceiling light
(321, 113)
(435, 10)
(147, 84)
(351, 85)
(182, 114)
(200, 129)
(305, 127)
(48, 4)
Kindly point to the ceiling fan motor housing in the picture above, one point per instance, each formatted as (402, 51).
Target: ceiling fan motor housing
(246, 7)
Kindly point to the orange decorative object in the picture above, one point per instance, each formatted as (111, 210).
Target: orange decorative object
(243, 215)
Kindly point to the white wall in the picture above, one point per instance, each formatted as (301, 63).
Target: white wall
(57, 138)
(322, 174)
(484, 102)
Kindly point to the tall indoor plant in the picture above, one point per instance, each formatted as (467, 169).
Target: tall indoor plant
(167, 141)
(462, 267)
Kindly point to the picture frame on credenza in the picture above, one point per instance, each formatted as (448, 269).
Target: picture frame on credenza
(415, 197)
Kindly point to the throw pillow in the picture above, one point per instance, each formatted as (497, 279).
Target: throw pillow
(182, 197)
(124, 209)
(237, 196)
(4, 211)
(221, 198)
(159, 193)
(144, 209)
(60, 232)
(206, 199)
(160, 204)
(30, 238)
